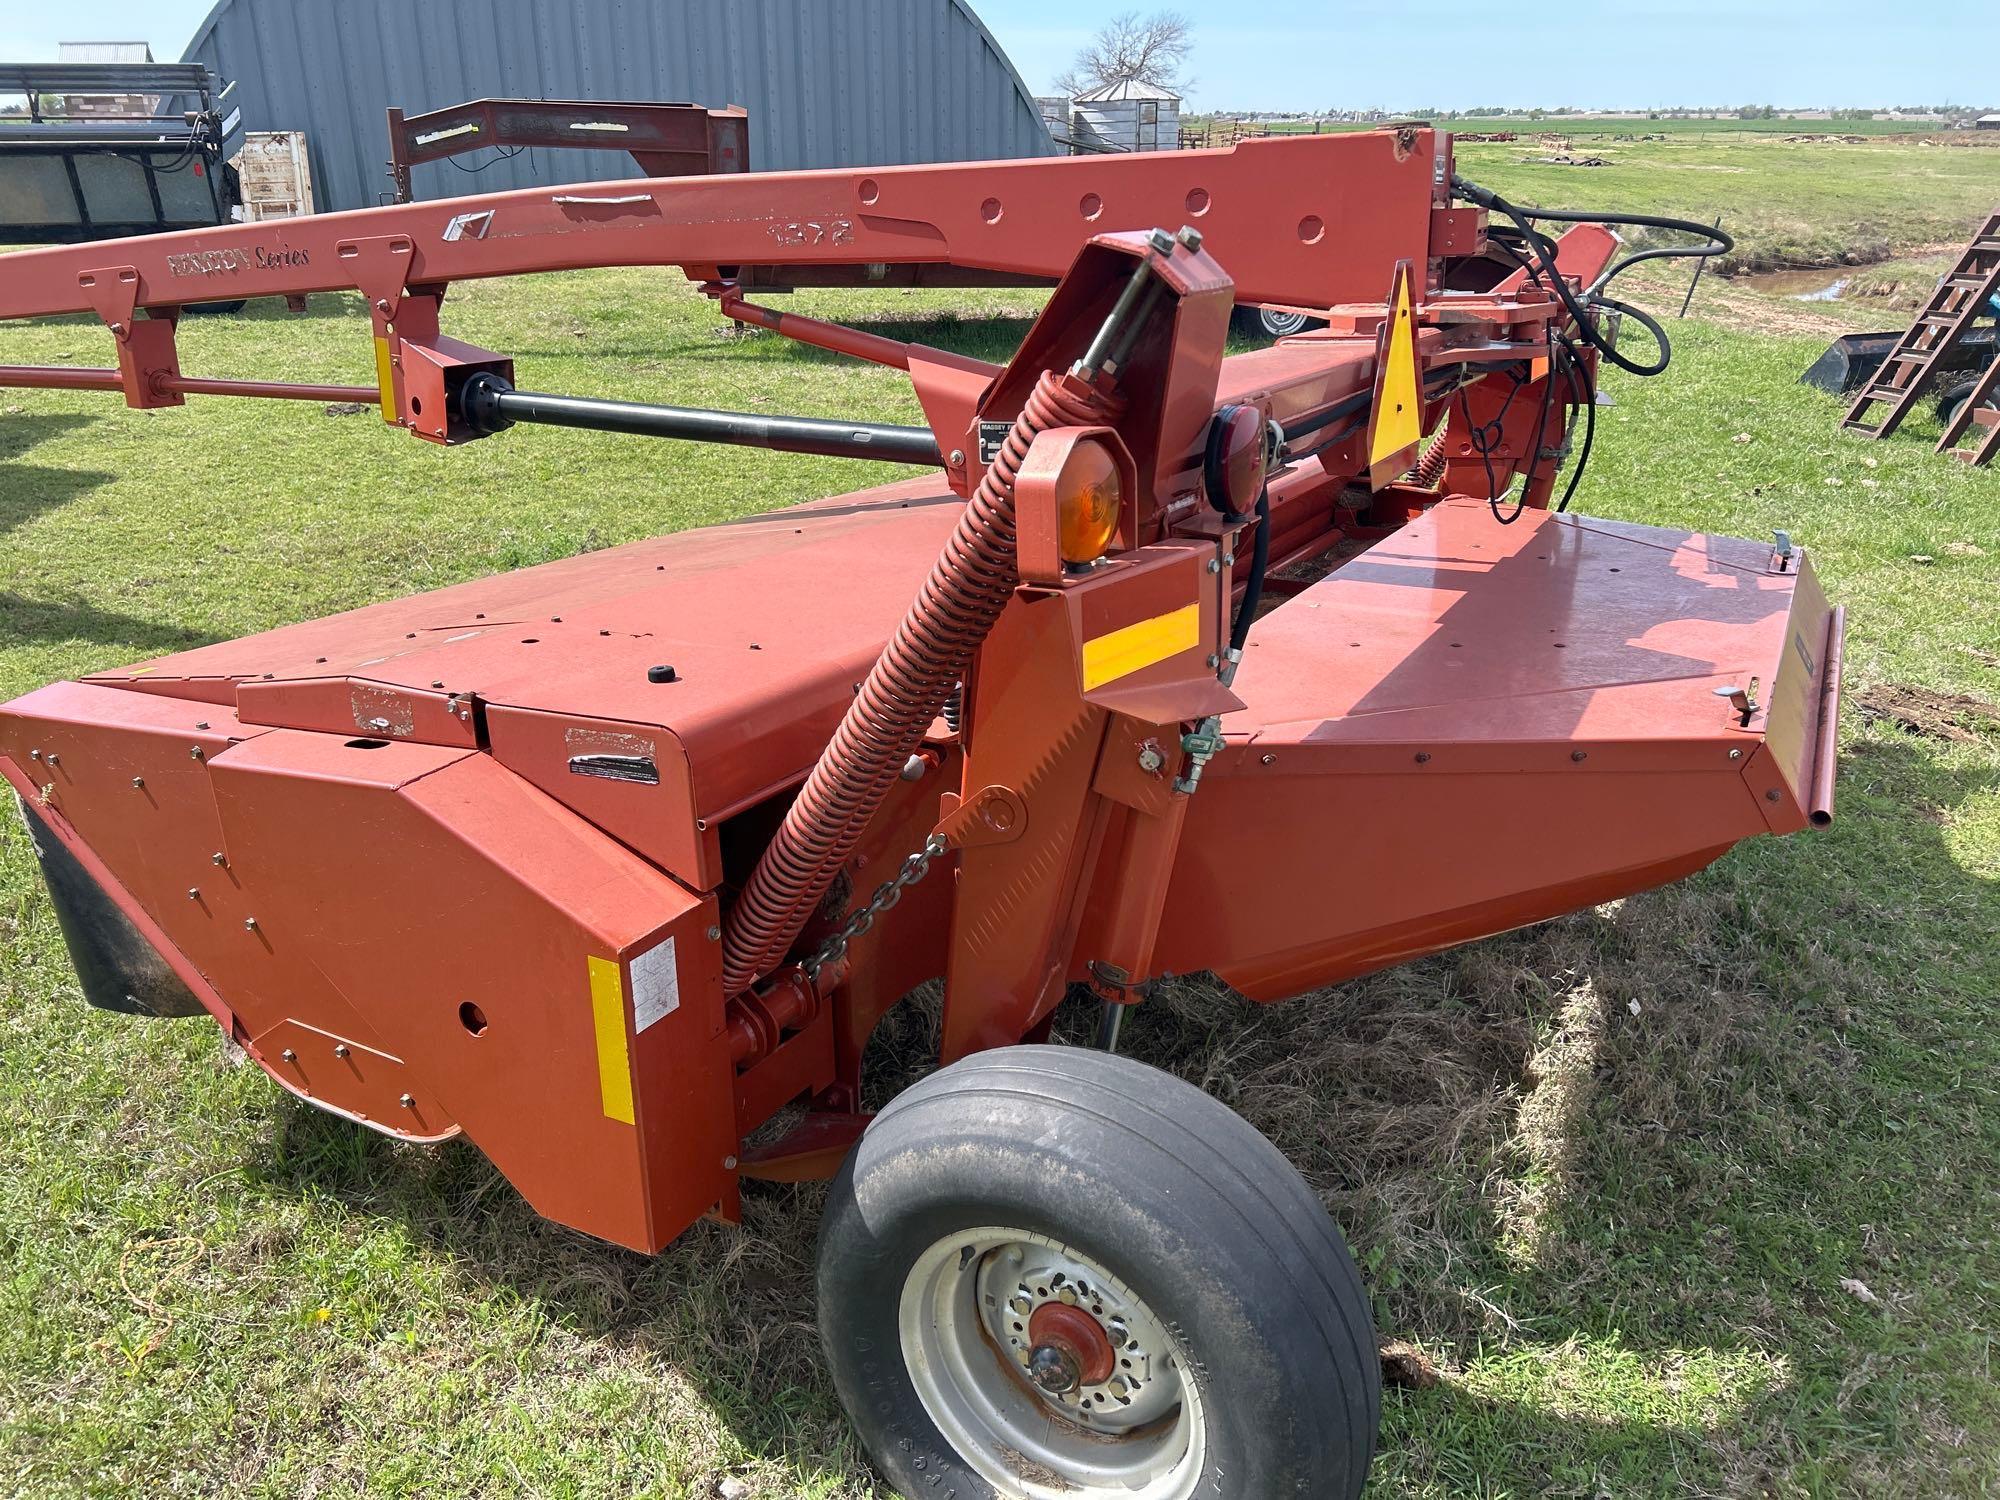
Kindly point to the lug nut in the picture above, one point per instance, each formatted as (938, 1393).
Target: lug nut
(249, 924)
(138, 782)
(218, 858)
(406, 1101)
(340, 1049)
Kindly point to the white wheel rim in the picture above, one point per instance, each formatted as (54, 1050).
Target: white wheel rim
(1137, 1434)
(1280, 324)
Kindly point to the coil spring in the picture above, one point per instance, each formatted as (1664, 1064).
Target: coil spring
(952, 614)
(1430, 465)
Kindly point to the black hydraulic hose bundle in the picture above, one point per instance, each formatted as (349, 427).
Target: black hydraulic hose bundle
(1585, 388)
(1543, 270)
(1719, 242)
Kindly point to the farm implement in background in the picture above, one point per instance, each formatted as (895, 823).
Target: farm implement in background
(664, 140)
(613, 865)
(147, 158)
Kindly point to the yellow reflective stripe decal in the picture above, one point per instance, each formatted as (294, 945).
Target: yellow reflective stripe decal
(1119, 653)
(614, 1063)
(385, 379)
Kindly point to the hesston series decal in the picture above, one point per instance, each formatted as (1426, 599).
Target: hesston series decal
(227, 262)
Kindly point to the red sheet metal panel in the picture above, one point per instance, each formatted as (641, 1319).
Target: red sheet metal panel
(414, 937)
(767, 623)
(1473, 726)
(355, 707)
(556, 995)
(632, 780)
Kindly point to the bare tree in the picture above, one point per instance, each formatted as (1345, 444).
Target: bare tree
(1133, 48)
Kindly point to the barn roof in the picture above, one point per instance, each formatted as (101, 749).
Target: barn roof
(1127, 88)
(853, 83)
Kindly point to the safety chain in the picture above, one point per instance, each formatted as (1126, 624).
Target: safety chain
(887, 894)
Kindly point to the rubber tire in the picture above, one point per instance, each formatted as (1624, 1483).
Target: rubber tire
(1279, 323)
(1250, 323)
(1163, 1186)
(1952, 397)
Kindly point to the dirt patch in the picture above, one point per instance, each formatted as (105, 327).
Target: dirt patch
(1405, 1365)
(1724, 301)
(1955, 717)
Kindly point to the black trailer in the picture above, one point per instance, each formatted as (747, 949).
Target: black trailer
(65, 178)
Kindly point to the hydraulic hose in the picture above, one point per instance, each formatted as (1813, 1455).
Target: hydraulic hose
(1719, 243)
(952, 614)
(1253, 587)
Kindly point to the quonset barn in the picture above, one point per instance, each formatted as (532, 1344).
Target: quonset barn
(827, 82)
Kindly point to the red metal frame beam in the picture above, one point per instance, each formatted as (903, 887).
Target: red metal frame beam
(1306, 221)
(666, 140)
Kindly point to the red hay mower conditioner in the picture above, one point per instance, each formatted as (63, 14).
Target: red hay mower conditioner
(614, 864)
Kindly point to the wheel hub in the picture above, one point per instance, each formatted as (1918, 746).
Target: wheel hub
(1069, 1348)
(1051, 1376)
(1107, 1366)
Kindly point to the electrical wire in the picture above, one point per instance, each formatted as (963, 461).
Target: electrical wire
(1541, 432)
(501, 155)
(1477, 436)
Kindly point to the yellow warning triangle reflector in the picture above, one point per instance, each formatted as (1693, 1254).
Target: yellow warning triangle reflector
(1396, 421)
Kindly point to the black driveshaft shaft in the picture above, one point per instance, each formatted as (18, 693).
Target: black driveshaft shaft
(489, 404)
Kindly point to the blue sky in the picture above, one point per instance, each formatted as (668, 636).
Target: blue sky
(1448, 54)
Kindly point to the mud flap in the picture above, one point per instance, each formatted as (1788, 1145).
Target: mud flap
(118, 969)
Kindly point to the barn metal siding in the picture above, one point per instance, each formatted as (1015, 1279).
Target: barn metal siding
(827, 82)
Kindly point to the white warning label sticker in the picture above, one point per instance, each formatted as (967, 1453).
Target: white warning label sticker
(656, 985)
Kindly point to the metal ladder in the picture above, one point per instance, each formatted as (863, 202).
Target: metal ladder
(1958, 301)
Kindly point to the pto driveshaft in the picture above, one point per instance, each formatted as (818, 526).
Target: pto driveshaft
(491, 405)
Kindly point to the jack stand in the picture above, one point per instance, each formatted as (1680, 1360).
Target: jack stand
(1109, 1023)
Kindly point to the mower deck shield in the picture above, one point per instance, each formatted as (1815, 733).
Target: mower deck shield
(1473, 726)
(766, 623)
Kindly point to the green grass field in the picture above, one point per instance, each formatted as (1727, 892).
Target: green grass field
(1690, 1194)
(1582, 127)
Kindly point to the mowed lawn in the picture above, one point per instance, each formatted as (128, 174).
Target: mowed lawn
(1691, 1194)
